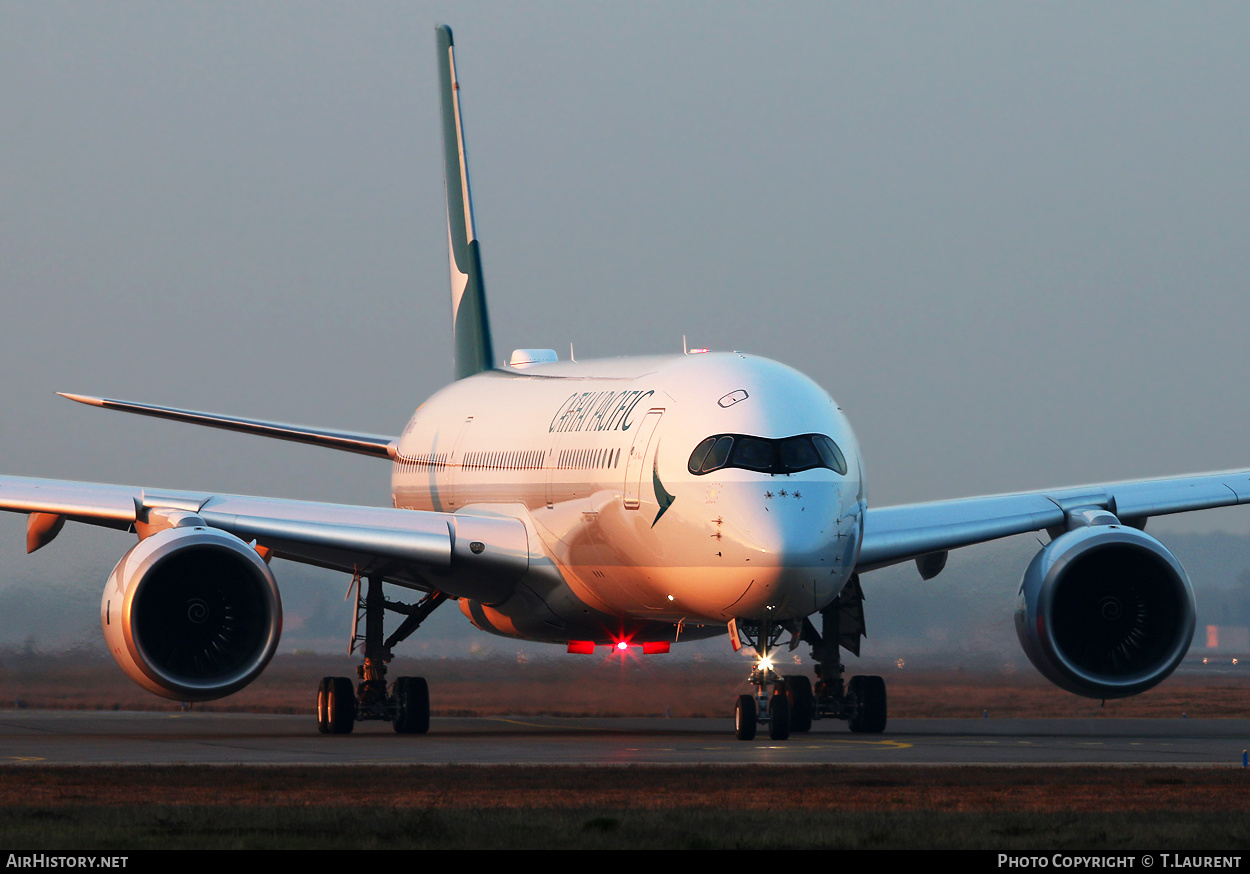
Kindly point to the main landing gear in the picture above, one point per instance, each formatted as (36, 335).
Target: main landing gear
(406, 704)
(789, 704)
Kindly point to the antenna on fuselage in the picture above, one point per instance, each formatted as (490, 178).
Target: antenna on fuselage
(470, 325)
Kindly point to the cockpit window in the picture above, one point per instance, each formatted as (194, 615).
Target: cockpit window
(754, 454)
(798, 453)
(700, 453)
(830, 454)
(719, 453)
(782, 456)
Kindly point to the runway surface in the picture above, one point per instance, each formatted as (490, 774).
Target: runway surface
(94, 737)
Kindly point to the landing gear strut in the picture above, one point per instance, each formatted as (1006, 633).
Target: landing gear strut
(862, 701)
(770, 705)
(406, 703)
(789, 704)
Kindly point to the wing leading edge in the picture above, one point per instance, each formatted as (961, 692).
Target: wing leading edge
(347, 441)
(900, 533)
(479, 557)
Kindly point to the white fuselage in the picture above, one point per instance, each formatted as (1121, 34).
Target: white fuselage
(594, 457)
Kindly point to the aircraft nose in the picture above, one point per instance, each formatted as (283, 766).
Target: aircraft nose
(797, 541)
(788, 532)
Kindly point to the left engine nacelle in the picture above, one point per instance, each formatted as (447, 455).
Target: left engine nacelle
(1105, 611)
(192, 614)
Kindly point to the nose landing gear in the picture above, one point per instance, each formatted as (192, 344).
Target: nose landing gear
(794, 702)
(770, 705)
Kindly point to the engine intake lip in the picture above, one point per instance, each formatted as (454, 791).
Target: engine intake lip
(205, 616)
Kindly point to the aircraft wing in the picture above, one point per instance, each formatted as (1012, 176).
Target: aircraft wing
(908, 531)
(347, 441)
(457, 554)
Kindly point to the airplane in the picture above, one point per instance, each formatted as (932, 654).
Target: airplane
(632, 502)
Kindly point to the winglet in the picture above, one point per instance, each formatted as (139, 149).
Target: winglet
(470, 324)
(82, 399)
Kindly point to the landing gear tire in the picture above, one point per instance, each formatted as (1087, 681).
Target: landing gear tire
(799, 693)
(779, 714)
(868, 700)
(412, 706)
(745, 718)
(336, 705)
(323, 705)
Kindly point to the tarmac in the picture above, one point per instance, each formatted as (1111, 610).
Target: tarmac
(108, 737)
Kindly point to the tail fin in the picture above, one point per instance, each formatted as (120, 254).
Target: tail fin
(469, 322)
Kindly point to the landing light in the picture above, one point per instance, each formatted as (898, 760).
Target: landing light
(765, 663)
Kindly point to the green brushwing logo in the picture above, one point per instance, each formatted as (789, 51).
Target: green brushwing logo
(662, 497)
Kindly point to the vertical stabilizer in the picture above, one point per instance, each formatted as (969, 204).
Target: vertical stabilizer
(469, 322)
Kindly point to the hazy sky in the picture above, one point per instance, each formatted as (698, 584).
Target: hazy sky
(1010, 239)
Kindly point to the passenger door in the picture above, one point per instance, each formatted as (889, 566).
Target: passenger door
(635, 467)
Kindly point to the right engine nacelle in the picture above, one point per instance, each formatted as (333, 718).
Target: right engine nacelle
(1106, 611)
(191, 613)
